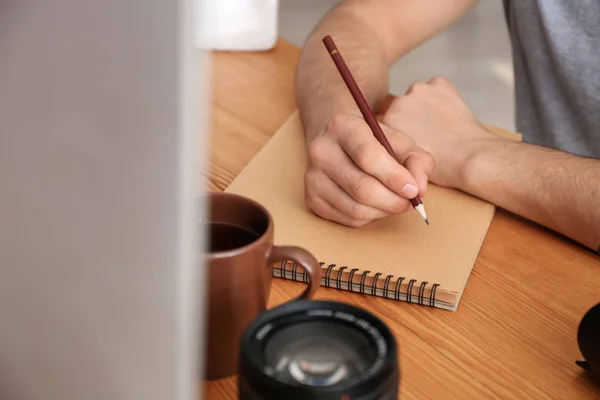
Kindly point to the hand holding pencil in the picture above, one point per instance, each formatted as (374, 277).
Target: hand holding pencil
(360, 170)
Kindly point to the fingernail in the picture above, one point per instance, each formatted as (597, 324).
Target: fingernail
(410, 191)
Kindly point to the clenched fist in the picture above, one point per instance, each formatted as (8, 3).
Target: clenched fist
(435, 116)
(352, 180)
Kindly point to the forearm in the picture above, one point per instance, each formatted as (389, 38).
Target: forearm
(371, 35)
(555, 189)
(320, 90)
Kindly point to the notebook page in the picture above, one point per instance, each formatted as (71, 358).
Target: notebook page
(402, 245)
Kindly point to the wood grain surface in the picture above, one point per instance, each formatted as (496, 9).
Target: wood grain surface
(514, 335)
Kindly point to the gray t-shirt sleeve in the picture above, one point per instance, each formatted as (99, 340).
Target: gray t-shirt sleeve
(556, 55)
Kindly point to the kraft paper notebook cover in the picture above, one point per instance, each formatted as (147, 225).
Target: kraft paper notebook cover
(398, 257)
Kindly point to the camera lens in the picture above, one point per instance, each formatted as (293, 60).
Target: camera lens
(318, 350)
(317, 353)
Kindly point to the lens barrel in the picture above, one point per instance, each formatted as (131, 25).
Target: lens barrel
(318, 350)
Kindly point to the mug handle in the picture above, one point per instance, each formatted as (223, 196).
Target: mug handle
(306, 260)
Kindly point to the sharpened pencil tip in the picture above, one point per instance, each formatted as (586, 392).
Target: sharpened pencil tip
(421, 210)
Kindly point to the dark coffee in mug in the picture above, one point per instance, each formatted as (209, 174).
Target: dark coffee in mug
(239, 256)
(224, 236)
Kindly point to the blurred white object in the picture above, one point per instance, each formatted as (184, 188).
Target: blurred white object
(242, 25)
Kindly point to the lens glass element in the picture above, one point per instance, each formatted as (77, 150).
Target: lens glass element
(319, 353)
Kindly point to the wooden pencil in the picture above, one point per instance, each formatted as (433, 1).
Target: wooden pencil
(366, 111)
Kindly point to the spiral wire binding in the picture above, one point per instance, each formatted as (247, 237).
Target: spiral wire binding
(398, 286)
(386, 285)
(409, 290)
(351, 279)
(374, 285)
(422, 291)
(338, 278)
(362, 287)
(362, 281)
(328, 275)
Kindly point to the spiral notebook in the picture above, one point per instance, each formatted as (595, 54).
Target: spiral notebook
(398, 257)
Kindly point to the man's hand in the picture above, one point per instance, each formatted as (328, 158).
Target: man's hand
(352, 180)
(437, 119)
(553, 188)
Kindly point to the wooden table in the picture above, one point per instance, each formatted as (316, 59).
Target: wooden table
(515, 332)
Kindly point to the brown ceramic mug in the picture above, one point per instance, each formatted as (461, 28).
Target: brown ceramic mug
(239, 256)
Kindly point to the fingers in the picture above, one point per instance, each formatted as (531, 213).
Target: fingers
(416, 87)
(437, 81)
(351, 179)
(326, 211)
(331, 202)
(442, 82)
(357, 183)
(371, 157)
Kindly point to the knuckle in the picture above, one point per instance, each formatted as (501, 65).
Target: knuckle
(439, 80)
(429, 160)
(335, 123)
(360, 189)
(317, 151)
(358, 211)
(417, 87)
(423, 159)
(365, 157)
(315, 204)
